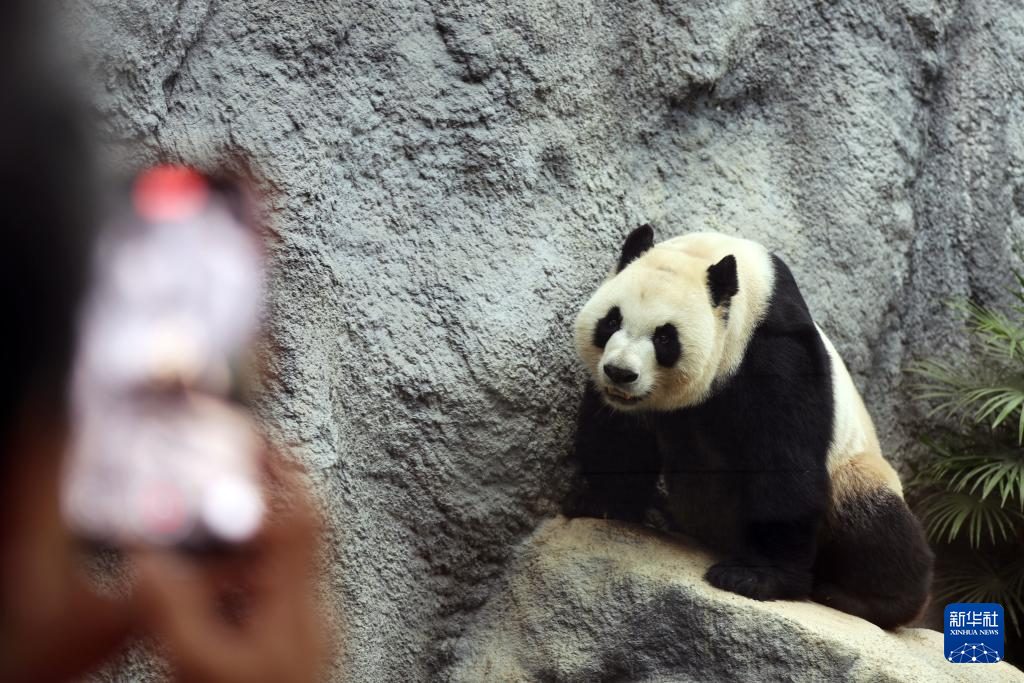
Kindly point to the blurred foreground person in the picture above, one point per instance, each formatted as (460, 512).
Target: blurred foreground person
(225, 579)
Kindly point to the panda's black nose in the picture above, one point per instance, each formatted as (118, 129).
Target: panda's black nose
(620, 375)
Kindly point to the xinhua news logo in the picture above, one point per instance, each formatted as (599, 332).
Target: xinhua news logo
(974, 633)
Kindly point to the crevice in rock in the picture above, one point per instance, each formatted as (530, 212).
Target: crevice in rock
(170, 81)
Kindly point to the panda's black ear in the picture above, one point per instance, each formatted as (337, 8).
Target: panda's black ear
(722, 280)
(639, 241)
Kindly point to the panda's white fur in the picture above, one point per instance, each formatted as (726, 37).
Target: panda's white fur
(854, 441)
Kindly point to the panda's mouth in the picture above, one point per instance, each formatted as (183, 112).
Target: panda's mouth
(619, 396)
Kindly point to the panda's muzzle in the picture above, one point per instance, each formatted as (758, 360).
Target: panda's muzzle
(620, 396)
(620, 377)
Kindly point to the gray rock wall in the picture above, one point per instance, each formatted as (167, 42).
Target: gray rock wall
(449, 180)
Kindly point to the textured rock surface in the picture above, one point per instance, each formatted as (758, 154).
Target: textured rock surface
(450, 179)
(589, 600)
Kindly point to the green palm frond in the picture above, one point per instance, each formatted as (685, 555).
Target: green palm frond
(1000, 337)
(974, 481)
(975, 394)
(982, 580)
(947, 513)
(976, 466)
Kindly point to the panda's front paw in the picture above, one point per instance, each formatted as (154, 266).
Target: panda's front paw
(760, 582)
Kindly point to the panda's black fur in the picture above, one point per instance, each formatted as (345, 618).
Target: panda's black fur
(746, 474)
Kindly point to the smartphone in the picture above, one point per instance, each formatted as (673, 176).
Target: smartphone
(161, 453)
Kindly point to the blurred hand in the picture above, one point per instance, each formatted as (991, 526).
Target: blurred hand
(246, 614)
(53, 626)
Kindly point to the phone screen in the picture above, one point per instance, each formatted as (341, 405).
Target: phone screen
(159, 453)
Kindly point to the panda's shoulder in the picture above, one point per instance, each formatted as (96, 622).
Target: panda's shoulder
(787, 301)
(787, 336)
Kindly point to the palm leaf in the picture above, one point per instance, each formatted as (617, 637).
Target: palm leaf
(984, 474)
(976, 475)
(980, 396)
(948, 513)
(1000, 336)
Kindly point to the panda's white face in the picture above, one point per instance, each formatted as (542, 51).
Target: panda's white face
(650, 336)
(676, 318)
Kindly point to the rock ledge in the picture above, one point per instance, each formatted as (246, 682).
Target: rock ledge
(591, 600)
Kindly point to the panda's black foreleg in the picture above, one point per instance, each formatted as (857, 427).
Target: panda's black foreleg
(782, 513)
(617, 463)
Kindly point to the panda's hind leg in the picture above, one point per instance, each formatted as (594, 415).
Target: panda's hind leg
(873, 561)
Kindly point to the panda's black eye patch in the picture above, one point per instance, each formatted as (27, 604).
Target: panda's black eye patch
(607, 326)
(666, 345)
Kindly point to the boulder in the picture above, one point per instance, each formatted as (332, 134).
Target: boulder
(588, 600)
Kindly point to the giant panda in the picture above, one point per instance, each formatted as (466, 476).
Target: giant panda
(708, 374)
